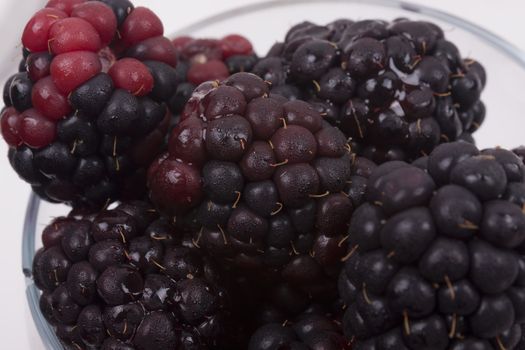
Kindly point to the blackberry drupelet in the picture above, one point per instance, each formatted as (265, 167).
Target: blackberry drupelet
(268, 186)
(88, 113)
(520, 152)
(125, 279)
(397, 89)
(435, 256)
(311, 330)
(203, 60)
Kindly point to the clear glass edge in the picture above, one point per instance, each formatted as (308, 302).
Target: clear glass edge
(45, 330)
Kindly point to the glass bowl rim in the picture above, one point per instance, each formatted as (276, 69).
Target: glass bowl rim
(45, 330)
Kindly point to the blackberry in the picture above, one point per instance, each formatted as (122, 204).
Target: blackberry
(435, 253)
(88, 113)
(397, 89)
(265, 184)
(202, 60)
(520, 152)
(123, 278)
(310, 330)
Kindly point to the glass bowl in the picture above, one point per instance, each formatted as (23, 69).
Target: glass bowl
(264, 23)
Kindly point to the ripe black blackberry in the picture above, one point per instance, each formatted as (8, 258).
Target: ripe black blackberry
(125, 279)
(311, 330)
(269, 185)
(397, 89)
(203, 60)
(88, 114)
(520, 152)
(436, 253)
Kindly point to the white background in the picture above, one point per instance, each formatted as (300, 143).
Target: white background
(504, 17)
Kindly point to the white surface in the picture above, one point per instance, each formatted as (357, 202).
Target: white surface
(503, 17)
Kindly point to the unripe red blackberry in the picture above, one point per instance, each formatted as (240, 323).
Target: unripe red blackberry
(398, 89)
(88, 113)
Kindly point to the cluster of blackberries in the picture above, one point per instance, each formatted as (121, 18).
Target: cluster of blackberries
(269, 184)
(435, 254)
(124, 279)
(201, 60)
(270, 225)
(397, 89)
(86, 114)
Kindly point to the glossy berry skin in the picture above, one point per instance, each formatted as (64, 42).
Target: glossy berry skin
(267, 181)
(10, 125)
(49, 100)
(17, 92)
(139, 25)
(438, 248)
(175, 185)
(123, 278)
(86, 100)
(73, 34)
(36, 33)
(397, 89)
(38, 65)
(35, 130)
(131, 75)
(70, 70)
(101, 17)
